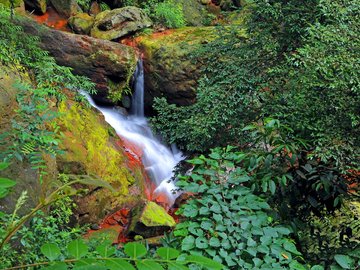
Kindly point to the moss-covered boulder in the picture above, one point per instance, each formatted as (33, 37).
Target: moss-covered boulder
(81, 23)
(170, 70)
(149, 219)
(195, 12)
(90, 147)
(66, 7)
(39, 6)
(108, 64)
(120, 22)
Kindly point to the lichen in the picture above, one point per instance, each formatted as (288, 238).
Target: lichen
(154, 215)
(87, 140)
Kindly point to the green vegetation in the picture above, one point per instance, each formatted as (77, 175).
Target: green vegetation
(297, 63)
(273, 135)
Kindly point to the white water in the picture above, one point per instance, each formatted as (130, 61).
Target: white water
(158, 159)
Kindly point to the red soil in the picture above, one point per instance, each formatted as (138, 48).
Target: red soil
(53, 19)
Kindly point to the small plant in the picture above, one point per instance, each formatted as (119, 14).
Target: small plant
(170, 14)
(105, 256)
(227, 221)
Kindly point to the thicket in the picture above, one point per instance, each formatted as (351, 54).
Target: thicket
(297, 62)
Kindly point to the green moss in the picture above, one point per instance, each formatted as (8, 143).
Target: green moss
(6, 3)
(87, 141)
(154, 215)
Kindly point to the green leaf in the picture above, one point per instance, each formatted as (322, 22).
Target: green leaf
(201, 242)
(106, 250)
(177, 266)
(205, 262)
(190, 211)
(214, 242)
(272, 187)
(6, 183)
(96, 182)
(148, 265)
(77, 249)
(4, 165)
(51, 251)
(135, 250)
(295, 265)
(118, 264)
(317, 267)
(291, 248)
(167, 253)
(344, 261)
(188, 243)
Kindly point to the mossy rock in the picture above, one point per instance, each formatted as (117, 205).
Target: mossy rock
(148, 220)
(170, 70)
(120, 22)
(90, 148)
(81, 23)
(67, 8)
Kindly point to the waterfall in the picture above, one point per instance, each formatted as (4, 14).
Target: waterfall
(158, 159)
(137, 100)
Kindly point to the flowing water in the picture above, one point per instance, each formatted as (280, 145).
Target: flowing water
(158, 159)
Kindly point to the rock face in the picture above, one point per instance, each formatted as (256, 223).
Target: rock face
(169, 69)
(66, 7)
(109, 65)
(149, 219)
(90, 147)
(38, 5)
(114, 24)
(81, 23)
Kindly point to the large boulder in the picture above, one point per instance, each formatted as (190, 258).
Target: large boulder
(108, 64)
(170, 70)
(90, 147)
(39, 6)
(66, 7)
(149, 219)
(81, 23)
(120, 22)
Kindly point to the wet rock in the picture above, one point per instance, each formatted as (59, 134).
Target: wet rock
(148, 220)
(169, 69)
(108, 64)
(39, 6)
(117, 23)
(81, 23)
(66, 7)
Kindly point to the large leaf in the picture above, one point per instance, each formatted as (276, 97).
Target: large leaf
(344, 261)
(4, 165)
(51, 251)
(188, 243)
(148, 265)
(77, 249)
(56, 266)
(6, 183)
(96, 182)
(105, 250)
(118, 264)
(135, 250)
(177, 266)
(167, 253)
(205, 262)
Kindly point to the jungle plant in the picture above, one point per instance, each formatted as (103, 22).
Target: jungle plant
(134, 256)
(227, 221)
(170, 14)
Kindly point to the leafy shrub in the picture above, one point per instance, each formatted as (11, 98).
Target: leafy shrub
(133, 256)
(227, 221)
(170, 14)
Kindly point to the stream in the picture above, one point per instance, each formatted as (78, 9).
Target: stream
(158, 159)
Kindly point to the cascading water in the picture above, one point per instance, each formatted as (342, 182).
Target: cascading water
(158, 159)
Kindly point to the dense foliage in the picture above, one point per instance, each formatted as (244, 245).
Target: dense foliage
(296, 62)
